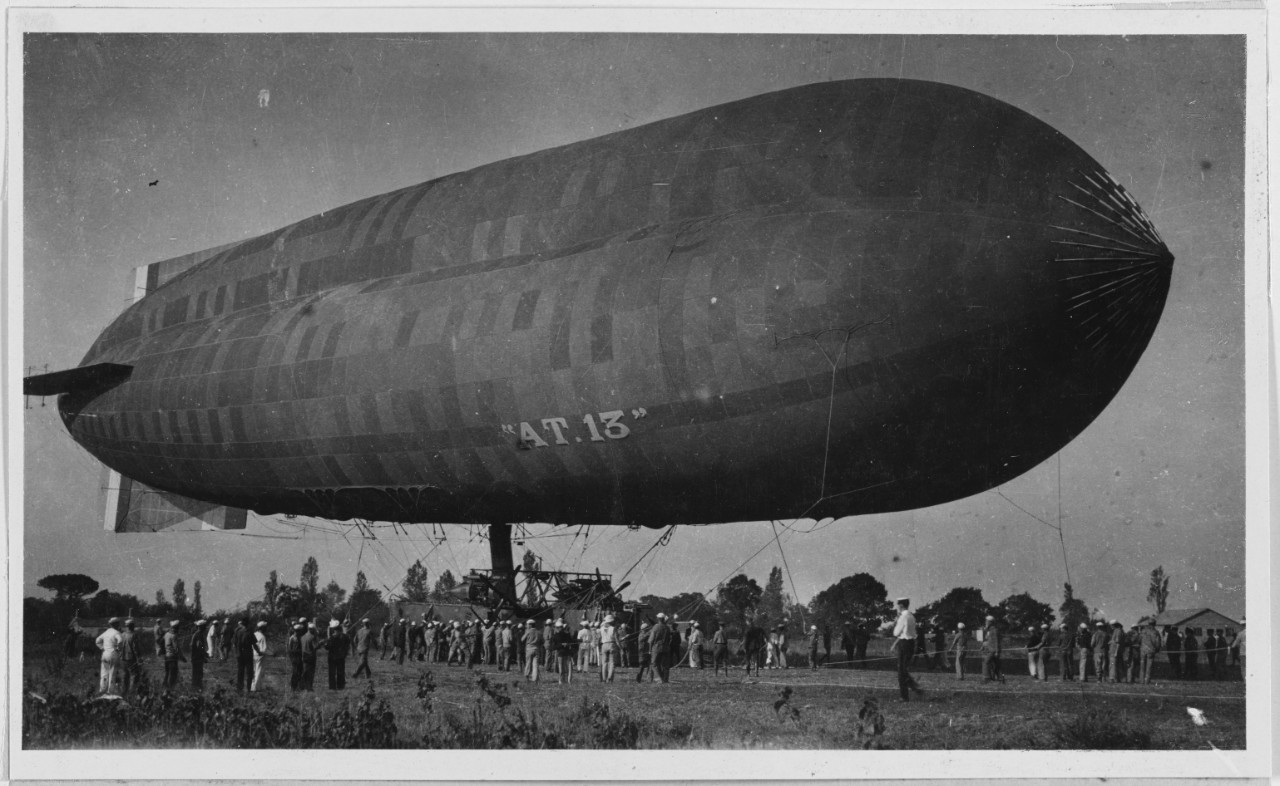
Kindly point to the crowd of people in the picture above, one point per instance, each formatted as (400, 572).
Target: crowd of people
(1107, 652)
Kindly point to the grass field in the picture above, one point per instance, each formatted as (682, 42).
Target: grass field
(793, 709)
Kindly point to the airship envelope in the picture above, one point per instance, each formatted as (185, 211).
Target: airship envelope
(845, 298)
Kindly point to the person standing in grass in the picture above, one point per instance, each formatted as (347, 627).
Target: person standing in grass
(1190, 654)
(199, 654)
(959, 647)
(258, 646)
(362, 639)
(1099, 644)
(158, 642)
(646, 659)
(991, 651)
(1084, 651)
(1066, 653)
(337, 646)
(130, 656)
(310, 652)
(904, 644)
(532, 650)
(109, 643)
(1034, 640)
(242, 643)
(1048, 643)
(753, 643)
(293, 648)
(660, 647)
(720, 650)
(172, 656)
(815, 639)
(562, 643)
(696, 640)
(608, 648)
(506, 646)
(624, 644)
(384, 640)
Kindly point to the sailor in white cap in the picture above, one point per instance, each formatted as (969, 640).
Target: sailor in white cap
(293, 648)
(562, 644)
(697, 644)
(608, 648)
(1099, 643)
(958, 648)
(109, 643)
(992, 649)
(336, 646)
(199, 655)
(815, 640)
(904, 644)
(660, 648)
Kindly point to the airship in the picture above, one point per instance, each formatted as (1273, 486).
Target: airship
(844, 298)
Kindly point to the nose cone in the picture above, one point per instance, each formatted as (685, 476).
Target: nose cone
(1113, 271)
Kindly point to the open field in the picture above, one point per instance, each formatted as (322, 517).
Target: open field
(696, 710)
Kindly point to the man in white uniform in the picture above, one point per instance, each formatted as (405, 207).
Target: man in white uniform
(259, 653)
(904, 641)
(109, 643)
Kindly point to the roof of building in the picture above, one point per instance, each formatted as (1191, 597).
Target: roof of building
(1180, 616)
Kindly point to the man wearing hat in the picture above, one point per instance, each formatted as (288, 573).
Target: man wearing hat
(1115, 652)
(293, 648)
(259, 649)
(242, 644)
(644, 653)
(991, 651)
(1034, 639)
(584, 645)
(608, 647)
(959, 647)
(815, 640)
(503, 641)
(199, 654)
(1066, 652)
(720, 650)
(753, 646)
(696, 644)
(130, 656)
(904, 643)
(310, 653)
(532, 650)
(1099, 643)
(660, 648)
(1084, 651)
(109, 643)
(227, 636)
(363, 638)
(211, 639)
(172, 656)
(1048, 643)
(1148, 648)
(384, 640)
(337, 645)
(562, 642)
(399, 638)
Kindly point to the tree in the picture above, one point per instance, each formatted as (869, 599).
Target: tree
(69, 588)
(444, 585)
(738, 598)
(196, 608)
(179, 596)
(962, 604)
(292, 602)
(269, 591)
(333, 597)
(1073, 611)
(860, 596)
(364, 599)
(773, 600)
(162, 606)
(1158, 590)
(1022, 611)
(415, 583)
(685, 606)
(112, 604)
(309, 585)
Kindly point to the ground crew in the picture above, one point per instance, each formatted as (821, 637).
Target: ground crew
(1148, 648)
(959, 648)
(1115, 651)
(608, 648)
(1066, 652)
(157, 641)
(227, 636)
(720, 650)
(696, 640)
(991, 651)
(1048, 643)
(199, 654)
(488, 656)
(130, 657)
(562, 642)
(363, 637)
(109, 643)
(258, 644)
(904, 642)
(1190, 654)
(815, 639)
(506, 646)
(624, 644)
(211, 641)
(242, 643)
(753, 644)
(939, 647)
(310, 652)
(1099, 644)
(399, 638)
(1034, 640)
(644, 653)
(584, 646)
(336, 646)
(384, 640)
(532, 650)
(172, 656)
(293, 648)
(660, 648)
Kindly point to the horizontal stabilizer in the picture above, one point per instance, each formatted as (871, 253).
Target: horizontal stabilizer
(136, 507)
(99, 376)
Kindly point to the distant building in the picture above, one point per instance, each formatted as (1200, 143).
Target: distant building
(1199, 620)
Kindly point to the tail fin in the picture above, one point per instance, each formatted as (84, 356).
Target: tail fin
(132, 506)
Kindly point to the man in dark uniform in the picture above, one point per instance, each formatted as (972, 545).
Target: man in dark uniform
(242, 645)
(363, 637)
(660, 647)
(1190, 654)
(861, 636)
(199, 654)
(1066, 653)
(646, 656)
(172, 656)
(310, 651)
(336, 646)
(400, 638)
(384, 638)
(293, 648)
(1173, 650)
(753, 643)
(130, 656)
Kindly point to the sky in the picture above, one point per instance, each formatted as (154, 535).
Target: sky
(1157, 479)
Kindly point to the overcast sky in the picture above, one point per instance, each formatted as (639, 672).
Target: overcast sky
(1158, 479)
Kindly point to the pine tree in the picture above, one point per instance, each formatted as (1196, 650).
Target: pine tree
(773, 599)
(199, 612)
(309, 585)
(179, 596)
(415, 583)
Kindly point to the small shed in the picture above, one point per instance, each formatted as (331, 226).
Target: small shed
(1199, 620)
